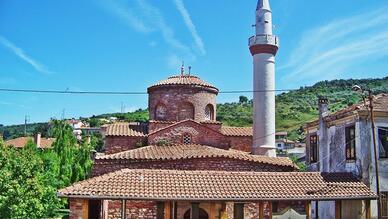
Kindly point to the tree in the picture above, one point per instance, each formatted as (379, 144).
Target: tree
(243, 100)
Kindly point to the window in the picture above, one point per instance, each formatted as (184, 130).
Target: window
(209, 112)
(186, 138)
(384, 204)
(313, 148)
(383, 142)
(350, 142)
(279, 145)
(161, 112)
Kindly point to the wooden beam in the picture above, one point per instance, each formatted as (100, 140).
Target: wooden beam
(338, 208)
(307, 207)
(270, 209)
(261, 210)
(174, 210)
(212, 211)
(367, 209)
(85, 209)
(167, 210)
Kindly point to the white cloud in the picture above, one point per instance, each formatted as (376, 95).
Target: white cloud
(190, 25)
(23, 56)
(327, 51)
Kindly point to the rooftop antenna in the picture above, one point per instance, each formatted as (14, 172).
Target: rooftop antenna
(183, 68)
(189, 70)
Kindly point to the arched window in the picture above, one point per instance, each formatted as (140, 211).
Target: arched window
(186, 111)
(186, 139)
(202, 214)
(209, 112)
(161, 112)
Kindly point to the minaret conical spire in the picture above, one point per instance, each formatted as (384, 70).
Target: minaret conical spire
(263, 4)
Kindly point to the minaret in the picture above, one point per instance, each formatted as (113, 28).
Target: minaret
(263, 47)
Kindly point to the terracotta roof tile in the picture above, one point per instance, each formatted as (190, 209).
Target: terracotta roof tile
(141, 184)
(237, 131)
(125, 129)
(179, 80)
(380, 104)
(175, 152)
(22, 141)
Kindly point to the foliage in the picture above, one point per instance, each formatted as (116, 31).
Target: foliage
(30, 177)
(243, 99)
(301, 165)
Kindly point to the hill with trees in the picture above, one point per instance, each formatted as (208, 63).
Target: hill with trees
(293, 109)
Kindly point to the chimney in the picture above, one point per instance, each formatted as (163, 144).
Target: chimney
(324, 149)
(37, 139)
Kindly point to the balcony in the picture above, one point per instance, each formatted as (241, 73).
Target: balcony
(264, 40)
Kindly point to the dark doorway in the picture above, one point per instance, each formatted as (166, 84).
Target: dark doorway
(94, 209)
(202, 214)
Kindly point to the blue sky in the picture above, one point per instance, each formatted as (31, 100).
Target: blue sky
(126, 45)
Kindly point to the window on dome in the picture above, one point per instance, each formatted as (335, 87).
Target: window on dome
(161, 112)
(186, 138)
(209, 112)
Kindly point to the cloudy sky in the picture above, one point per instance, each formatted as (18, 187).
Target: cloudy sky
(126, 45)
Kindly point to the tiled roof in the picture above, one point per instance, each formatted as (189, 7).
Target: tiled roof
(380, 104)
(141, 184)
(237, 131)
(176, 152)
(124, 129)
(22, 141)
(184, 80)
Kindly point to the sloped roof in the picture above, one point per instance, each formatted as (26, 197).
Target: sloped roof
(237, 131)
(125, 129)
(184, 80)
(146, 184)
(22, 141)
(380, 104)
(176, 152)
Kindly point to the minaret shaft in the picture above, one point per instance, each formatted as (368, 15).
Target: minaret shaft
(263, 47)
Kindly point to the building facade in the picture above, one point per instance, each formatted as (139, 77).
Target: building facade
(343, 142)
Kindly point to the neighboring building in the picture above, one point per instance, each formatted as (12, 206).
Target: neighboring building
(193, 167)
(76, 125)
(342, 142)
(37, 139)
(284, 144)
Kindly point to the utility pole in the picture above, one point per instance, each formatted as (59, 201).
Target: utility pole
(26, 119)
(63, 114)
(122, 107)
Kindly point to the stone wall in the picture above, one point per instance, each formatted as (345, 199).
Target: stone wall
(174, 97)
(115, 144)
(217, 164)
(76, 208)
(134, 209)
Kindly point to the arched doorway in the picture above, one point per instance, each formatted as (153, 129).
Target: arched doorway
(202, 214)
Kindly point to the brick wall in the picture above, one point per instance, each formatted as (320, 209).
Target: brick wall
(200, 134)
(115, 144)
(174, 97)
(76, 208)
(241, 143)
(219, 164)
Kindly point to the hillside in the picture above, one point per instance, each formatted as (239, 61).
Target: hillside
(293, 109)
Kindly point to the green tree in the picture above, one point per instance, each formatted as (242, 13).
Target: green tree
(243, 99)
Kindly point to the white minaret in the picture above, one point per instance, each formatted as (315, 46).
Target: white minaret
(263, 47)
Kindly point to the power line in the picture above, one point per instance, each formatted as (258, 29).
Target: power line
(124, 92)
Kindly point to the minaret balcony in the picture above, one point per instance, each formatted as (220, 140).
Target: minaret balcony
(264, 40)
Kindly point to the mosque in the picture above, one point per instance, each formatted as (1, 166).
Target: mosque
(184, 164)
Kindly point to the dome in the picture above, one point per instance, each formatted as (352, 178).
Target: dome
(184, 80)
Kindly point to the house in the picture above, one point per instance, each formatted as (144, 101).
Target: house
(37, 139)
(342, 142)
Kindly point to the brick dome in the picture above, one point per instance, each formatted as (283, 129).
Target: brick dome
(184, 80)
(182, 97)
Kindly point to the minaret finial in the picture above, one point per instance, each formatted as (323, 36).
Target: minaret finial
(183, 68)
